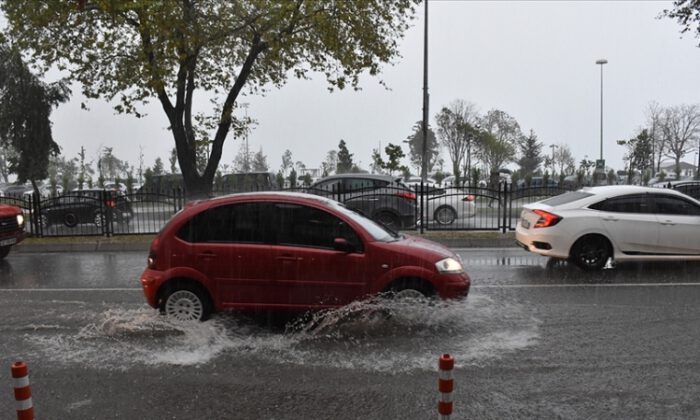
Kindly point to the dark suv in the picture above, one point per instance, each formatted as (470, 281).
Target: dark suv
(86, 206)
(383, 198)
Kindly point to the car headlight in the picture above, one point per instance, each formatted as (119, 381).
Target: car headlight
(449, 265)
(20, 220)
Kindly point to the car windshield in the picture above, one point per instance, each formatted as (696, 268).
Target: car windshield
(377, 231)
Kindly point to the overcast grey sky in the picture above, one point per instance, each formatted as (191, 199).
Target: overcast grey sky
(533, 60)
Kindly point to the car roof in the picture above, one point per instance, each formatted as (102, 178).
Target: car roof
(362, 176)
(271, 195)
(615, 190)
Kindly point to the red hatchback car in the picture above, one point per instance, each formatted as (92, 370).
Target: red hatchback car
(11, 228)
(287, 251)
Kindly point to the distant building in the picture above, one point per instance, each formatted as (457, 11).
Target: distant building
(687, 169)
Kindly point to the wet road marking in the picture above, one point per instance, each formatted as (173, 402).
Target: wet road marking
(578, 285)
(79, 289)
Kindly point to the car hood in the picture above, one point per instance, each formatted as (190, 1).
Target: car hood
(421, 247)
(6, 210)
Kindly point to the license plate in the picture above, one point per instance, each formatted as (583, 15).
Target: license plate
(7, 242)
(524, 223)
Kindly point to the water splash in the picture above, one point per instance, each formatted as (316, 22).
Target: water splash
(375, 335)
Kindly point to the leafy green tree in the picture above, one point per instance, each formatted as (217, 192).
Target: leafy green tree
(260, 162)
(136, 50)
(687, 14)
(26, 104)
(393, 163)
(287, 162)
(415, 145)
(158, 167)
(639, 152)
(345, 163)
(530, 154)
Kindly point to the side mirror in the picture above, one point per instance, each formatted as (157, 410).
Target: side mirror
(341, 244)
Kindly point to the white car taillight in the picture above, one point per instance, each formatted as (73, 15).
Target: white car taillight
(546, 219)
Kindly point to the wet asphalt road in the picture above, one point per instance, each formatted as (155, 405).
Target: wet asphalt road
(533, 340)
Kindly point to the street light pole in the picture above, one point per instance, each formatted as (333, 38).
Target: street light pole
(424, 151)
(601, 164)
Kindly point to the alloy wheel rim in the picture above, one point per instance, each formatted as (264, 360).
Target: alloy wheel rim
(184, 305)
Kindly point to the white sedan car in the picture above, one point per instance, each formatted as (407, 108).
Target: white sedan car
(445, 206)
(625, 223)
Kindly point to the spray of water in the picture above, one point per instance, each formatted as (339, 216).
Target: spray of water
(378, 335)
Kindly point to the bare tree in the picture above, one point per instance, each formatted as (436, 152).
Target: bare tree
(456, 131)
(681, 128)
(655, 131)
(563, 159)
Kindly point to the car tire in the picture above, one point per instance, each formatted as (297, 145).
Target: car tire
(445, 215)
(591, 252)
(412, 289)
(4, 250)
(388, 219)
(186, 302)
(70, 220)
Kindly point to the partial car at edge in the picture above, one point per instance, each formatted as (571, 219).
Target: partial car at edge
(625, 223)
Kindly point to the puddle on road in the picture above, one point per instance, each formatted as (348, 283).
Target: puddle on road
(377, 335)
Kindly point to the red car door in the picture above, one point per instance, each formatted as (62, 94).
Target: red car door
(313, 273)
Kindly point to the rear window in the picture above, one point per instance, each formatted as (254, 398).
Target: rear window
(566, 198)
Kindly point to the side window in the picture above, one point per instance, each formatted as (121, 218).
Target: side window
(241, 223)
(675, 206)
(309, 227)
(329, 186)
(625, 204)
(355, 184)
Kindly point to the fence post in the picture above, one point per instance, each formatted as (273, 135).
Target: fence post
(422, 218)
(445, 386)
(504, 199)
(23, 392)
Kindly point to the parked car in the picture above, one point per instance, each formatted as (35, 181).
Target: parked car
(445, 206)
(287, 251)
(626, 223)
(383, 198)
(86, 206)
(11, 228)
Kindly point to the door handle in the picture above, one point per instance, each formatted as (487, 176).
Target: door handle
(610, 219)
(206, 254)
(668, 223)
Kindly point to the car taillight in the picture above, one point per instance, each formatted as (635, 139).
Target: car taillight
(111, 203)
(546, 219)
(468, 198)
(407, 195)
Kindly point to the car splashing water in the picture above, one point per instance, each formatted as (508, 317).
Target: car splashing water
(376, 335)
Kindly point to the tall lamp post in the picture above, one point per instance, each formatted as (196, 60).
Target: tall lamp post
(424, 151)
(600, 164)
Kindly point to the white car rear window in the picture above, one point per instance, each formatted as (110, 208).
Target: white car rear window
(566, 198)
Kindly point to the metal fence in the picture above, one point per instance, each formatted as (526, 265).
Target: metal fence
(103, 213)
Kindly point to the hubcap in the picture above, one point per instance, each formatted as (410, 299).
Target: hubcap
(184, 305)
(412, 294)
(445, 216)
